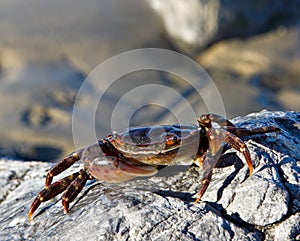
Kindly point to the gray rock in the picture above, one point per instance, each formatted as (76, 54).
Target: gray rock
(195, 24)
(264, 206)
(287, 230)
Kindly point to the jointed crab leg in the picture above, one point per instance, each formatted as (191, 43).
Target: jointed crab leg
(51, 191)
(63, 165)
(240, 131)
(217, 136)
(206, 119)
(74, 189)
(73, 184)
(240, 146)
(207, 173)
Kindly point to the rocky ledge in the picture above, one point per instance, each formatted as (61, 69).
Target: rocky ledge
(236, 206)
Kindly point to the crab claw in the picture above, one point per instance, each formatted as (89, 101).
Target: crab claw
(139, 171)
(111, 169)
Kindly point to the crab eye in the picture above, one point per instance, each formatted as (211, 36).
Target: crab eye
(171, 141)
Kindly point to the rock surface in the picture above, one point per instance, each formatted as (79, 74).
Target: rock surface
(195, 24)
(265, 206)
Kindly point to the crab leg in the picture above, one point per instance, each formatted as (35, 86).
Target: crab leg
(74, 189)
(207, 173)
(63, 165)
(208, 160)
(51, 191)
(240, 146)
(235, 142)
(239, 131)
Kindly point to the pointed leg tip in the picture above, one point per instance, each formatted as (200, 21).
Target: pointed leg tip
(197, 200)
(35, 204)
(66, 206)
(66, 211)
(250, 170)
(29, 217)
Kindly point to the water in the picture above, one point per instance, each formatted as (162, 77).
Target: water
(48, 48)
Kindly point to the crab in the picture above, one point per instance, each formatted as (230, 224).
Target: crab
(142, 151)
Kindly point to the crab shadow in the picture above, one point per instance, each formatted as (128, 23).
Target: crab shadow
(229, 159)
(186, 197)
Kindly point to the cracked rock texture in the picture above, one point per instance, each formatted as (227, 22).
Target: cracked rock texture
(264, 206)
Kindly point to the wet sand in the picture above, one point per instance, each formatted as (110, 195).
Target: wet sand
(48, 49)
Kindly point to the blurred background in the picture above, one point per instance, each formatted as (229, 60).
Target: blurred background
(251, 50)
